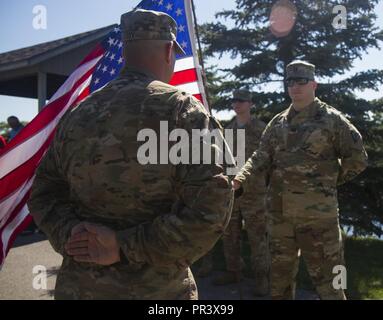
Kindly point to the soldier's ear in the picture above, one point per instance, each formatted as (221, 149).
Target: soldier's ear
(315, 85)
(169, 47)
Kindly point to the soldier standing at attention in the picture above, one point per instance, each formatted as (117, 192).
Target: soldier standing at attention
(249, 207)
(128, 230)
(310, 148)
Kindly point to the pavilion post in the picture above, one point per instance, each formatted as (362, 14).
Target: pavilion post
(42, 89)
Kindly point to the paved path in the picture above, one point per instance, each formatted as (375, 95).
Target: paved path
(17, 276)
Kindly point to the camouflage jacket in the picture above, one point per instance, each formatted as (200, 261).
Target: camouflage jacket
(253, 133)
(166, 216)
(309, 154)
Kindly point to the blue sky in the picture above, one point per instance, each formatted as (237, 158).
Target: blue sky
(69, 17)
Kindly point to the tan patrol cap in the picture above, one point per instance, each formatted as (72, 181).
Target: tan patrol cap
(300, 69)
(140, 24)
(243, 95)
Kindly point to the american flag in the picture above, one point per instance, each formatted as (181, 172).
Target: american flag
(21, 157)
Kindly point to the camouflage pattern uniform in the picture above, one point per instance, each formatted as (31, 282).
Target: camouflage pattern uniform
(250, 207)
(309, 154)
(166, 216)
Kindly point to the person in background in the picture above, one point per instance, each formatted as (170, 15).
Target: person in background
(249, 207)
(16, 126)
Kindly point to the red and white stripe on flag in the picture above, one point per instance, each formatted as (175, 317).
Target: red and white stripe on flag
(21, 157)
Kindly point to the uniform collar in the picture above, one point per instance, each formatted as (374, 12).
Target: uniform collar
(250, 124)
(310, 111)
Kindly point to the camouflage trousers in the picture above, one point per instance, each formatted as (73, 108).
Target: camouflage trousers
(124, 281)
(252, 211)
(318, 240)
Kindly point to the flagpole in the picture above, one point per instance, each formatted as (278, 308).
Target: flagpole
(204, 80)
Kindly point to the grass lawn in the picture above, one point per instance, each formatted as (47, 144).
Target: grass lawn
(364, 263)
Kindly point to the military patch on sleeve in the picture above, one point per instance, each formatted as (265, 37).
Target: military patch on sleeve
(355, 136)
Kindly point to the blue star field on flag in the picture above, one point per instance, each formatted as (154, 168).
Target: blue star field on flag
(112, 62)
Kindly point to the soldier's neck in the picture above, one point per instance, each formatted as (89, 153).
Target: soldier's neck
(139, 69)
(301, 105)
(243, 118)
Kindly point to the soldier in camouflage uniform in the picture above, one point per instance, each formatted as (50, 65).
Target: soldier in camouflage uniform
(127, 230)
(250, 207)
(310, 148)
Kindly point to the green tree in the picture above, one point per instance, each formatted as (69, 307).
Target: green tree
(361, 200)
(4, 128)
(263, 57)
